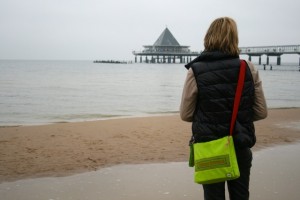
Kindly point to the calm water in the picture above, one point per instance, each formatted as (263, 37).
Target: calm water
(38, 92)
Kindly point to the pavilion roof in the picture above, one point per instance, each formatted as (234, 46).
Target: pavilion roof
(166, 38)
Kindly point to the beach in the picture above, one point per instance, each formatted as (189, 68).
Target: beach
(64, 149)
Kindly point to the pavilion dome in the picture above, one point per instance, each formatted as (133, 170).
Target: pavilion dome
(166, 38)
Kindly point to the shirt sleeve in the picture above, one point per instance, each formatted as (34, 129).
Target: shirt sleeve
(189, 97)
(260, 106)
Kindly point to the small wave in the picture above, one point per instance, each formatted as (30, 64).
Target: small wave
(71, 117)
(163, 112)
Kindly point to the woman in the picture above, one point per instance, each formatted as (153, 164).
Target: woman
(207, 102)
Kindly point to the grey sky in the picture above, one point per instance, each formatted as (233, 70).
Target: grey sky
(112, 29)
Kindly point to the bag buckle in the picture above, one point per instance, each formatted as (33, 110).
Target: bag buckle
(192, 141)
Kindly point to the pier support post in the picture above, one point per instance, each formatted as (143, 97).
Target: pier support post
(157, 58)
(278, 60)
(135, 59)
(249, 58)
(141, 59)
(174, 59)
(259, 60)
(267, 60)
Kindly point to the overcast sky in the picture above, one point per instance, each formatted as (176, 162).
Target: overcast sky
(112, 29)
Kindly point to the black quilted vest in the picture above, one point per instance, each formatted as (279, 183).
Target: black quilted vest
(216, 75)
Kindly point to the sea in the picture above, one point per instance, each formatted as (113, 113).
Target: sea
(34, 92)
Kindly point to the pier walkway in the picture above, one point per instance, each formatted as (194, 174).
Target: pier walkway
(270, 51)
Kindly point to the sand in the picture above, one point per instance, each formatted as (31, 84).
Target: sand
(162, 181)
(68, 148)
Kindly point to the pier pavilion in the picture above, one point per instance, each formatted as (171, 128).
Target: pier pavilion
(270, 51)
(166, 49)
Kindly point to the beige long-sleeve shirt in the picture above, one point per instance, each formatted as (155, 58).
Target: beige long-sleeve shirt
(190, 92)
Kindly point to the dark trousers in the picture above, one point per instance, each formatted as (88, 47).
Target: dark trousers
(238, 189)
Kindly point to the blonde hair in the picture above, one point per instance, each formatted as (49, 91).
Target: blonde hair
(222, 35)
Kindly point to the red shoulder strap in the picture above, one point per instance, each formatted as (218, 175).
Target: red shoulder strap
(238, 94)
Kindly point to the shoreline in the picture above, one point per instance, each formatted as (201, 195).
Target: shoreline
(95, 119)
(117, 117)
(63, 149)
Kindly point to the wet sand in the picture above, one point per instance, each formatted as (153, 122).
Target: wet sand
(69, 148)
(274, 176)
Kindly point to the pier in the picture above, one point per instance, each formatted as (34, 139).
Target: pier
(166, 49)
(269, 51)
(110, 61)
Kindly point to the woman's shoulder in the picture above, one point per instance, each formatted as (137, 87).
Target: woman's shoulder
(251, 65)
(254, 71)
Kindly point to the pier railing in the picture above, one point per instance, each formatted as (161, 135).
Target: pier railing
(161, 52)
(271, 50)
